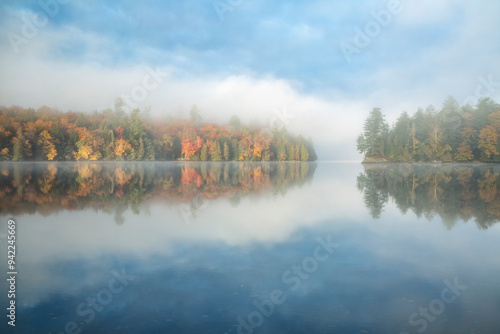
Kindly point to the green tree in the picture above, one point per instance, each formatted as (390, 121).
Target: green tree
(226, 151)
(150, 150)
(310, 150)
(375, 132)
(436, 150)
(204, 153)
(290, 149)
(464, 151)
(141, 151)
(304, 155)
(217, 156)
(399, 139)
(451, 120)
(18, 150)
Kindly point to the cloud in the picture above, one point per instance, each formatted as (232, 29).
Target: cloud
(263, 56)
(87, 87)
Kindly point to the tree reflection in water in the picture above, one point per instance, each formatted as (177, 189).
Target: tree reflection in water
(46, 188)
(452, 192)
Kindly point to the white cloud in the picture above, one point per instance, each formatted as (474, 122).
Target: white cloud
(69, 86)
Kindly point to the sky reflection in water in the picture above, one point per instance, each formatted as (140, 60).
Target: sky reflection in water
(191, 259)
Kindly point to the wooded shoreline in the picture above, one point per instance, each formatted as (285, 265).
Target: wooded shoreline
(48, 134)
(452, 134)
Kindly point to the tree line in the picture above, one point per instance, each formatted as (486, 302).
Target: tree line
(113, 135)
(453, 133)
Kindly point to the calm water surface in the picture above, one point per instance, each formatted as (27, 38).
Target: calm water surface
(252, 248)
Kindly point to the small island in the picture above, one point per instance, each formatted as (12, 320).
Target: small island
(453, 134)
(114, 135)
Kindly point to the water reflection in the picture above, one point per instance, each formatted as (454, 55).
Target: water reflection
(204, 247)
(452, 192)
(49, 188)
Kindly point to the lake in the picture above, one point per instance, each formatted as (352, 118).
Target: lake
(251, 248)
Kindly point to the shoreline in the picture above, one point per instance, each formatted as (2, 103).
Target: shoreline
(143, 162)
(436, 163)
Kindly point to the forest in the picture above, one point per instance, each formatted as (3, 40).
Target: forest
(453, 133)
(47, 134)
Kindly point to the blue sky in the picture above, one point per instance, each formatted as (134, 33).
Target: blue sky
(252, 57)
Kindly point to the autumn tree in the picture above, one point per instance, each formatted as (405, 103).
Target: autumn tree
(114, 135)
(4, 154)
(464, 151)
(89, 145)
(47, 144)
(258, 146)
(436, 150)
(122, 149)
(189, 148)
(488, 138)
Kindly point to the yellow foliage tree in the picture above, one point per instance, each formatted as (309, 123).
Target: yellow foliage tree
(47, 144)
(122, 148)
(464, 151)
(488, 138)
(4, 154)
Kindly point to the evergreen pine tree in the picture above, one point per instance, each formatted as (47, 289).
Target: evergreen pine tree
(18, 153)
(304, 155)
(373, 139)
(217, 156)
(204, 153)
(226, 151)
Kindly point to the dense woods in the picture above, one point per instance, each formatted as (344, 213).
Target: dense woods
(452, 192)
(47, 188)
(48, 134)
(453, 133)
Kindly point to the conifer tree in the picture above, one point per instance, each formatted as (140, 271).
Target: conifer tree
(204, 153)
(217, 156)
(18, 153)
(375, 131)
(226, 151)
